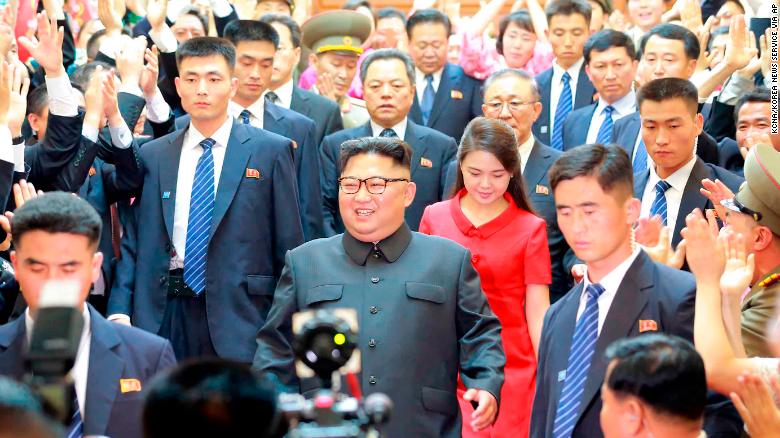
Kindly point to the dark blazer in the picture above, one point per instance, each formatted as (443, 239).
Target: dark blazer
(115, 352)
(583, 96)
(627, 129)
(425, 312)
(431, 181)
(458, 100)
(255, 221)
(576, 126)
(730, 157)
(325, 112)
(691, 198)
(301, 130)
(648, 291)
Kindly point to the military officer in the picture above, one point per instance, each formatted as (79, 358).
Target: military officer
(333, 41)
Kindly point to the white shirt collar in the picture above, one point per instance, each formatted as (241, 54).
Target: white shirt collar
(399, 128)
(524, 149)
(623, 106)
(421, 83)
(221, 136)
(284, 92)
(611, 281)
(256, 109)
(678, 179)
(574, 70)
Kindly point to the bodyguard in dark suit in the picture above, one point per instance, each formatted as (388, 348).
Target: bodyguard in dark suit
(283, 91)
(114, 363)
(388, 274)
(388, 90)
(446, 99)
(565, 86)
(215, 216)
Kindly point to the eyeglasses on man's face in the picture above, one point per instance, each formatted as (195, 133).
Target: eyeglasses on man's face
(513, 105)
(375, 185)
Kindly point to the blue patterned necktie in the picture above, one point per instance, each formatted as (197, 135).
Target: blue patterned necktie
(76, 425)
(244, 116)
(583, 344)
(640, 158)
(426, 105)
(199, 223)
(387, 132)
(659, 204)
(561, 111)
(605, 131)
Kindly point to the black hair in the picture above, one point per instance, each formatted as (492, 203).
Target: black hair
(428, 16)
(609, 164)
(568, 7)
(83, 73)
(664, 372)
(669, 31)
(37, 100)
(57, 212)
(606, 39)
(201, 47)
(211, 397)
(384, 54)
(661, 90)
(521, 19)
(720, 30)
(295, 30)
(195, 12)
(514, 72)
(759, 94)
(250, 30)
(354, 5)
(394, 148)
(390, 12)
(606, 6)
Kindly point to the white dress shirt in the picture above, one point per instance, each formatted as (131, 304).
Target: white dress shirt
(399, 128)
(674, 194)
(80, 369)
(190, 154)
(421, 83)
(610, 283)
(557, 86)
(525, 152)
(284, 93)
(623, 107)
(256, 112)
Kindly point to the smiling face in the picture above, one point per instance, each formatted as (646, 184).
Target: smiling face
(273, 7)
(753, 120)
(646, 13)
(484, 178)
(254, 66)
(612, 73)
(669, 131)
(369, 217)
(518, 46)
(205, 85)
(388, 92)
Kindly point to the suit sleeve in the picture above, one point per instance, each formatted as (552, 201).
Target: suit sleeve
(274, 354)
(131, 107)
(335, 123)
(126, 178)
(167, 358)
(221, 22)
(541, 397)
(683, 314)
(309, 186)
(6, 181)
(166, 82)
(330, 189)
(121, 298)
(482, 356)
(444, 181)
(60, 145)
(476, 100)
(288, 232)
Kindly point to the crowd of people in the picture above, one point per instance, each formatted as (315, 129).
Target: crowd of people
(552, 218)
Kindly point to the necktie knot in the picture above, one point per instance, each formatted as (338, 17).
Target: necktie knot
(608, 110)
(429, 79)
(207, 143)
(388, 133)
(272, 97)
(566, 77)
(662, 186)
(244, 116)
(594, 291)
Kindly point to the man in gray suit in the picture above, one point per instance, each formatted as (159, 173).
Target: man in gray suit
(423, 316)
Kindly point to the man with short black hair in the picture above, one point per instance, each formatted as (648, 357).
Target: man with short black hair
(752, 114)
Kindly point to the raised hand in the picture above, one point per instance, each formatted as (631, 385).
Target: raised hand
(741, 47)
(47, 48)
(110, 13)
(5, 92)
(23, 192)
(756, 406)
(663, 253)
(19, 85)
(130, 60)
(151, 71)
(739, 265)
(156, 11)
(95, 100)
(690, 14)
(704, 252)
(716, 192)
(110, 101)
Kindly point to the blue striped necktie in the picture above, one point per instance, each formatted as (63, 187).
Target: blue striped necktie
(426, 105)
(659, 204)
(640, 157)
(583, 344)
(605, 131)
(76, 425)
(244, 116)
(561, 111)
(199, 223)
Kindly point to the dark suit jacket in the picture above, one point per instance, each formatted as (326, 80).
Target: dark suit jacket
(576, 126)
(300, 130)
(255, 221)
(648, 291)
(431, 181)
(115, 352)
(458, 100)
(691, 198)
(583, 96)
(325, 112)
(627, 129)
(432, 322)
(729, 156)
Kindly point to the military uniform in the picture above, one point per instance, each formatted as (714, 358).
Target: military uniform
(344, 32)
(759, 197)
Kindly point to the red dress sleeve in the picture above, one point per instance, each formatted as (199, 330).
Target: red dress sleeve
(537, 255)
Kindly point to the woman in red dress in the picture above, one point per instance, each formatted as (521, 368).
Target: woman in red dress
(490, 215)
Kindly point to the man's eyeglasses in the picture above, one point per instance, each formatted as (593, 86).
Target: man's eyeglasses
(375, 185)
(513, 105)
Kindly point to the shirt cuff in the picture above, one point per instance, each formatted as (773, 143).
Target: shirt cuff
(119, 317)
(61, 98)
(133, 89)
(89, 132)
(221, 8)
(165, 40)
(121, 137)
(157, 109)
(735, 87)
(6, 148)
(19, 157)
(108, 47)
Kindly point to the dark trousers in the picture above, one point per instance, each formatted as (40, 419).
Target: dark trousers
(185, 325)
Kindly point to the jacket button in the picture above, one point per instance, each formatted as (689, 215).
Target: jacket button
(375, 280)
(376, 254)
(373, 310)
(372, 343)
(372, 380)
(162, 279)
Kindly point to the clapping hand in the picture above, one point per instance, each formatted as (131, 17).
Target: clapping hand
(704, 251)
(130, 60)
(150, 73)
(716, 192)
(738, 273)
(756, 406)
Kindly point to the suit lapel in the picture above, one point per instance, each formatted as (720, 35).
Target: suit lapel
(633, 128)
(691, 198)
(564, 334)
(449, 81)
(536, 167)
(13, 344)
(415, 139)
(623, 313)
(168, 172)
(105, 371)
(236, 157)
(585, 90)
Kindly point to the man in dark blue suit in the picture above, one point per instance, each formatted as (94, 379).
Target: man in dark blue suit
(445, 99)
(752, 115)
(388, 88)
(565, 86)
(114, 363)
(623, 293)
(215, 216)
(611, 66)
(670, 126)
